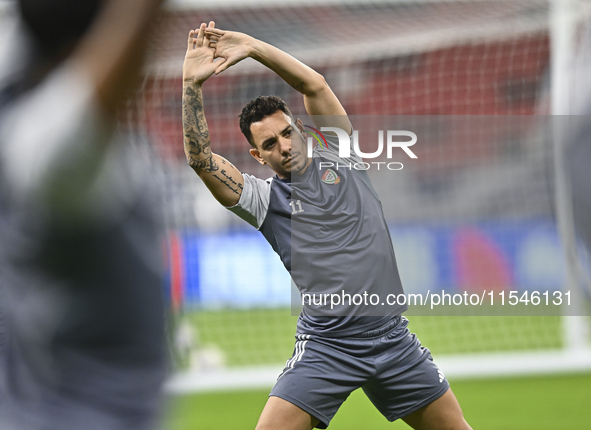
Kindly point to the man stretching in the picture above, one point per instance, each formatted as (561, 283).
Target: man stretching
(334, 354)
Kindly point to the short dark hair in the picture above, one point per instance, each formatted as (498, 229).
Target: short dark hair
(56, 24)
(258, 109)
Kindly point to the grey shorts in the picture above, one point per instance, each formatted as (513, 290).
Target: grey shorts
(396, 373)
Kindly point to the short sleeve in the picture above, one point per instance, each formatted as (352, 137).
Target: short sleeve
(54, 134)
(254, 200)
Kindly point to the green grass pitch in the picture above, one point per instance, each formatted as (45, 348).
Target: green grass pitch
(266, 336)
(533, 403)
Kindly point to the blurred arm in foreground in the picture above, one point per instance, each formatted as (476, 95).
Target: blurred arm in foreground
(81, 58)
(81, 307)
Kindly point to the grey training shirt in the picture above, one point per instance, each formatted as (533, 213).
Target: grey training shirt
(328, 227)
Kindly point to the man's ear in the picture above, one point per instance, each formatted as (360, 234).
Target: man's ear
(257, 155)
(300, 128)
(300, 125)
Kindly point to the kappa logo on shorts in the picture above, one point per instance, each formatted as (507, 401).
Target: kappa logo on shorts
(330, 177)
(441, 376)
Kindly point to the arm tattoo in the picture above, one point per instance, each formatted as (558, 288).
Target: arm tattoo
(223, 172)
(197, 143)
(208, 165)
(229, 182)
(229, 186)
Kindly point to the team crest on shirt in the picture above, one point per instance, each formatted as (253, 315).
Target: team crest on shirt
(330, 177)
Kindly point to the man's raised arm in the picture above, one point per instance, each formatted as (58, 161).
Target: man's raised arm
(219, 175)
(320, 102)
(111, 53)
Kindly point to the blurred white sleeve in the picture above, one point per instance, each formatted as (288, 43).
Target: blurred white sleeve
(53, 142)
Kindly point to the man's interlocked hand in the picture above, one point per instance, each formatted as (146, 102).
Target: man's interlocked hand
(230, 46)
(199, 60)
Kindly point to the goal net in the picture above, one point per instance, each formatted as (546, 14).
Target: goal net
(479, 209)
